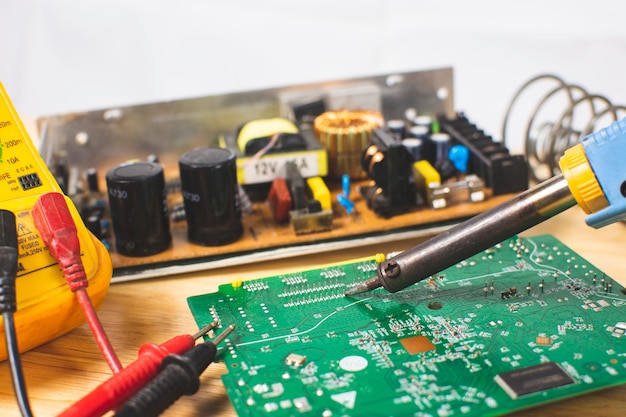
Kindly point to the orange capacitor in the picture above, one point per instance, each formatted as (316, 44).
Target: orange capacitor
(345, 135)
(280, 200)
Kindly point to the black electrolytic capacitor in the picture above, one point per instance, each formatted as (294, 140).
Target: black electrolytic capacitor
(92, 180)
(209, 186)
(138, 204)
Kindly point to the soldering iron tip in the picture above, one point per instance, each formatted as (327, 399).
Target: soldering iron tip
(364, 286)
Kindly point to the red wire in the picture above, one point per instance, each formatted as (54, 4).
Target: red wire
(98, 331)
(113, 392)
(57, 229)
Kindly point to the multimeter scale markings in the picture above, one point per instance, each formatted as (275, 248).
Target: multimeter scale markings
(17, 172)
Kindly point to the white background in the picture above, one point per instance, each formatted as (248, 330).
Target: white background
(60, 56)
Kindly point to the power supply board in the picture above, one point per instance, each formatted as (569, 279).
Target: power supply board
(523, 323)
(214, 181)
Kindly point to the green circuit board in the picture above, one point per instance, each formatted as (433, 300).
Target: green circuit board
(523, 323)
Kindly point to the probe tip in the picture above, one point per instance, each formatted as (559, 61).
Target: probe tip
(364, 286)
(206, 329)
(224, 334)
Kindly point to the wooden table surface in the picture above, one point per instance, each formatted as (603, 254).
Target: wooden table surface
(62, 371)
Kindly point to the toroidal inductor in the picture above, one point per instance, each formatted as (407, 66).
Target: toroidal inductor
(345, 135)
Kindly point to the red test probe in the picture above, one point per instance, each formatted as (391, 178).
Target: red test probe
(112, 393)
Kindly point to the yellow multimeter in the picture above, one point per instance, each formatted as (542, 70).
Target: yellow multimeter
(46, 308)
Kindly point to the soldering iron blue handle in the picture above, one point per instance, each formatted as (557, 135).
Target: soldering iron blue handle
(606, 153)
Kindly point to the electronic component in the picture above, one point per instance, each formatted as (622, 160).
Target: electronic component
(425, 123)
(280, 200)
(293, 359)
(414, 146)
(417, 344)
(426, 177)
(388, 164)
(502, 172)
(533, 379)
(310, 211)
(442, 144)
(210, 192)
(262, 147)
(345, 134)
(296, 185)
(269, 135)
(320, 192)
(343, 198)
(311, 218)
(445, 346)
(138, 208)
(397, 128)
(459, 156)
(470, 189)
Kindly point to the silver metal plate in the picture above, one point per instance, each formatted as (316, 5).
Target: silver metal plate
(168, 129)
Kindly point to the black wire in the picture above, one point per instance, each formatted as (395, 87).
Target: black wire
(15, 363)
(8, 306)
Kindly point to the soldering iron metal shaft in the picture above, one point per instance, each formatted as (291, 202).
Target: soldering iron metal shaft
(471, 237)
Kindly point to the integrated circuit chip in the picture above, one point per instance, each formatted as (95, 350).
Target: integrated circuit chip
(417, 344)
(533, 379)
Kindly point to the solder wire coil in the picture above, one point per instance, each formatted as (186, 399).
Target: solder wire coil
(549, 131)
(345, 134)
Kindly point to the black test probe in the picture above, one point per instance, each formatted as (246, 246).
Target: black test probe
(179, 376)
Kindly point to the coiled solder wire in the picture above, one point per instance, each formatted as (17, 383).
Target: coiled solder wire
(546, 141)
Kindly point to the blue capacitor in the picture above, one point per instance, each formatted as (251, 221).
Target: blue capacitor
(345, 184)
(346, 203)
(459, 156)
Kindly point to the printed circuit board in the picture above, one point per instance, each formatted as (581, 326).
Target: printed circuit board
(523, 323)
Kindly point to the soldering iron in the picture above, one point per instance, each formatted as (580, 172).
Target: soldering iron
(593, 175)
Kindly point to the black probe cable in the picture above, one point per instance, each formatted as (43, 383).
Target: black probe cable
(8, 306)
(179, 375)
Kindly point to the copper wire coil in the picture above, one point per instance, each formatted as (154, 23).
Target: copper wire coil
(345, 135)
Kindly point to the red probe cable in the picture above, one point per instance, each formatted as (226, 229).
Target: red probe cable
(58, 231)
(112, 393)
